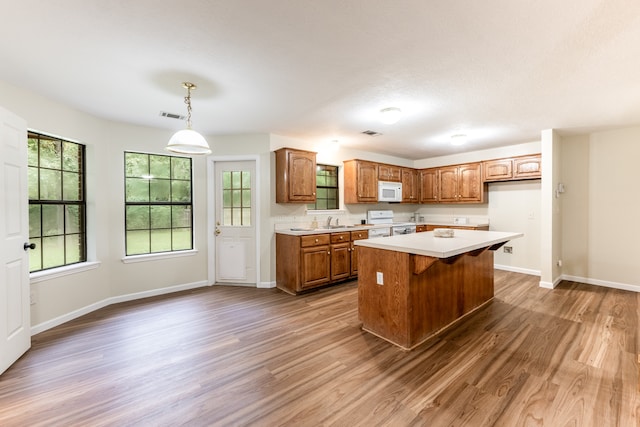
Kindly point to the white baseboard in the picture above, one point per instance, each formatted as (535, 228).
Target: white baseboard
(605, 283)
(517, 269)
(41, 327)
(266, 285)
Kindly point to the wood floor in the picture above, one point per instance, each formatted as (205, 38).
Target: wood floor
(242, 356)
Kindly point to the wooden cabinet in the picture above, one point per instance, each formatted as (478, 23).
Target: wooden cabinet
(389, 172)
(513, 168)
(528, 167)
(428, 184)
(340, 256)
(307, 262)
(360, 181)
(295, 176)
(409, 185)
(356, 235)
(498, 170)
(461, 184)
(315, 263)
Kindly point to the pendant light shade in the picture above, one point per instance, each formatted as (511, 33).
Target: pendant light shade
(188, 141)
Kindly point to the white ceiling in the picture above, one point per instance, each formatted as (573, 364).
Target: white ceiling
(318, 70)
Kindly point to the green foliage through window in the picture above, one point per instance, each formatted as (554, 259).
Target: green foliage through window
(158, 207)
(56, 202)
(326, 188)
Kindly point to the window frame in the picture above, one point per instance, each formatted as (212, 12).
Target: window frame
(132, 257)
(313, 207)
(81, 203)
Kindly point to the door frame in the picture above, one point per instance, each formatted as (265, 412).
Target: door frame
(211, 212)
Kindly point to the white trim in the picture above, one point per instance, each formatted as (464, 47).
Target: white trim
(517, 269)
(605, 283)
(266, 285)
(54, 273)
(41, 327)
(550, 285)
(161, 255)
(211, 244)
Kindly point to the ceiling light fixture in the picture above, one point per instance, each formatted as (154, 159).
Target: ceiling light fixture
(188, 141)
(390, 115)
(458, 139)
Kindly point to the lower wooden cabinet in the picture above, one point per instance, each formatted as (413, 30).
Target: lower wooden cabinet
(307, 262)
(340, 256)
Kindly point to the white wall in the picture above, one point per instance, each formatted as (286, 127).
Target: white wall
(601, 207)
(60, 298)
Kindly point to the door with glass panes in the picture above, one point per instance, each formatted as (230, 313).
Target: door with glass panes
(235, 230)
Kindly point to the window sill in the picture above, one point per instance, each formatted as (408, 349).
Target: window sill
(325, 211)
(54, 273)
(162, 255)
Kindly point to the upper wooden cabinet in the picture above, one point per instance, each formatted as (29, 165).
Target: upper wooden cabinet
(389, 172)
(295, 176)
(461, 184)
(513, 168)
(527, 167)
(360, 181)
(410, 190)
(428, 185)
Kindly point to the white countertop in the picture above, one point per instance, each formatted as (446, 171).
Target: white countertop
(439, 247)
(302, 231)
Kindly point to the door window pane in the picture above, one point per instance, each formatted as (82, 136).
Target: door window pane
(236, 198)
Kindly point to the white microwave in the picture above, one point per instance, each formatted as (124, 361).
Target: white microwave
(389, 191)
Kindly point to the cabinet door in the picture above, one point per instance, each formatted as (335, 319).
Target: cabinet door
(295, 176)
(340, 261)
(389, 173)
(409, 185)
(367, 181)
(316, 266)
(497, 170)
(470, 185)
(302, 176)
(428, 186)
(356, 235)
(448, 184)
(527, 167)
(421, 228)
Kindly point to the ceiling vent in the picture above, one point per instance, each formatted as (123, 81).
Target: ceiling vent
(172, 115)
(371, 133)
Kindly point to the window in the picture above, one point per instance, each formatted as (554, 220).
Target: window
(56, 202)
(236, 198)
(158, 207)
(326, 188)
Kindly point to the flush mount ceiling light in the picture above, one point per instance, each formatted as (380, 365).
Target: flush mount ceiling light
(390, 115)
(188, 141)
(458, 139)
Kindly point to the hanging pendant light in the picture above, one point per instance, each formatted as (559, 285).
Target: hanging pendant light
(188, 141)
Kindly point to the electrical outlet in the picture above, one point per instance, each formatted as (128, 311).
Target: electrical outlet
(559, 263)
(508, 249)
(379, 278)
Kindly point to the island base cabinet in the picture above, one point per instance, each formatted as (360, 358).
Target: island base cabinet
(419, 295)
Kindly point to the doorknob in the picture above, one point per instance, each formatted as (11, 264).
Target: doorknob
(217, 232)
(29, 246)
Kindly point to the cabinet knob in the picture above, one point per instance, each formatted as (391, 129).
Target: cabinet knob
(328, 253)
(316, 240)
(341, 237)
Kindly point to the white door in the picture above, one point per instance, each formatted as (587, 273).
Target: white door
(235, 222)
(15, 323)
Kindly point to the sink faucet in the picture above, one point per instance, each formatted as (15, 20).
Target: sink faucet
(328, 222)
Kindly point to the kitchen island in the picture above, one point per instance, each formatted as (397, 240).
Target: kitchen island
(412, 286)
